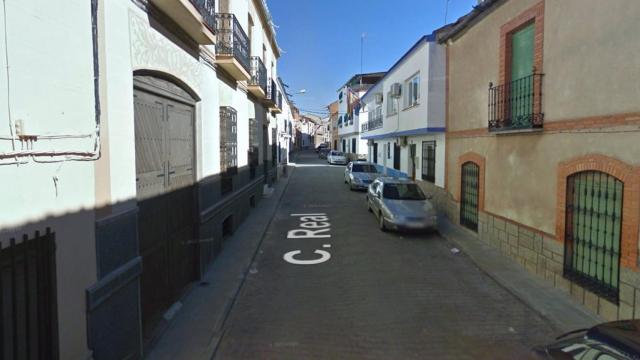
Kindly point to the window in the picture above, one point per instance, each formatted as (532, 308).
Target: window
(228, 139)
(353, 145)
(412, 93)
(388, 150)
(253, 148)
(228, 147)
(593, 228)
(429, 161)
(403, 192)
(392, 105)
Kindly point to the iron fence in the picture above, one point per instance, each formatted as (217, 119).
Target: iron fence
(207, 9)
(28, 306)
(258, 73)
(516, 104)
(232, 40)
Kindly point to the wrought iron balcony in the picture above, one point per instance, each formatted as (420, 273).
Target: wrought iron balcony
(374, 123)
(272, 94)
(207, 8)
(196, 17)
(516, 105)
(232, 49)
(258, 81)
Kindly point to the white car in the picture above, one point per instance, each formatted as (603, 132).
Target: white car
(337, 157)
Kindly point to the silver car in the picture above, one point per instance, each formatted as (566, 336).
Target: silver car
(400, 204)
(360, 174)
(336, 157)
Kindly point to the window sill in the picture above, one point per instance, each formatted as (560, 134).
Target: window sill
(411, 107)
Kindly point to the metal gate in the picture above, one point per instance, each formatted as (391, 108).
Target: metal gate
(164, 133)
(28, 305)
(469, 194)
(592, 232)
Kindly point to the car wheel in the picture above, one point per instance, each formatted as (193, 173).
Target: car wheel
(351, 186)
(369, 206)
(381, 224)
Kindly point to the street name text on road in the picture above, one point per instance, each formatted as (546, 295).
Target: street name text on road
(312, 226)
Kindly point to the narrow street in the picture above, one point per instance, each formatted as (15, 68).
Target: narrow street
(381, 295)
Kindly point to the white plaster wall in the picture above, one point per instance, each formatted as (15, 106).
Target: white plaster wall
(428, 59)
(50, 69)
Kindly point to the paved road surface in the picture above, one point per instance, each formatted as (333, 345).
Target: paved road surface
(379, 296)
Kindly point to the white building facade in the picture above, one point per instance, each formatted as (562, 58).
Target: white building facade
(129, 165)
(403, 121)
(349, 105)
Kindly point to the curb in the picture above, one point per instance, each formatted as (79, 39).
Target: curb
(231, 301)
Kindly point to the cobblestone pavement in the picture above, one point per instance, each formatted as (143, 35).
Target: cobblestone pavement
(380, 296)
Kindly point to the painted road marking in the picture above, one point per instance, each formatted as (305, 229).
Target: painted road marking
(312, 226)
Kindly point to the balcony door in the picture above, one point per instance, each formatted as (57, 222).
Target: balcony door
(522, 45)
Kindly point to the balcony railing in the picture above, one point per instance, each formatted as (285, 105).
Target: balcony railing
(258, 73)
(516, 105)
(279, 100)
(232, 40)
(374, 123)
(272, 92)
(207, 8)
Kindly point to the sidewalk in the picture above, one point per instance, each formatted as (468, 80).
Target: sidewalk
(553, 304)
(197, 327)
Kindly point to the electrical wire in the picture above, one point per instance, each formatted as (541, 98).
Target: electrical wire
(6, 57)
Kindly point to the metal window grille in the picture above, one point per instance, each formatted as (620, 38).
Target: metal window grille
(228, 140)
(253, 148)
(429, 161)
(469, 195)
(28, 308)
(592, 232)
(274, 147)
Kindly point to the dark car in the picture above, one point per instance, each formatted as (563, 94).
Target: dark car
(321, 147)
(322, 154)
(612, 340)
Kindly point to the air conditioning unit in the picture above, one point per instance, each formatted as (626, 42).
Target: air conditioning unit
(396, 90)
(378, 98)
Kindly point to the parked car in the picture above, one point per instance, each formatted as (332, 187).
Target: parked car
(321, 146)
(360, 174)
(336, 157)
(322, 154)
(400, 204)
(612, 340)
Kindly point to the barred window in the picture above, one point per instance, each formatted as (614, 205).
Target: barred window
(228, 140)
(593, 227)
(429, 161)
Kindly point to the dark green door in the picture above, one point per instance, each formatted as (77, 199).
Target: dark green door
(592, 231)
(521, 99)
(469, 195)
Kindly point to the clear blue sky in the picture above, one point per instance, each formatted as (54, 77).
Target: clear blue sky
(320, 39)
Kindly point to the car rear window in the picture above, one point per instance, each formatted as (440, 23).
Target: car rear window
(366, 168)
(402, 192)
